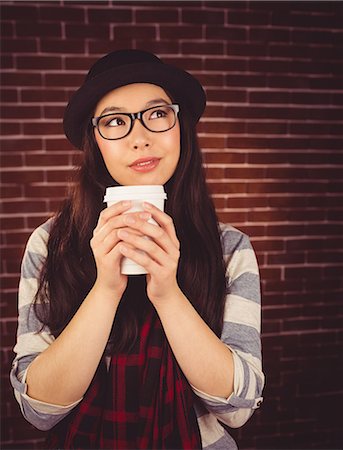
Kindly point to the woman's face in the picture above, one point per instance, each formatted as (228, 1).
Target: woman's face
(142, 157)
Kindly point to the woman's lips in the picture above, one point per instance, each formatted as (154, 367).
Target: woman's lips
(145, 164)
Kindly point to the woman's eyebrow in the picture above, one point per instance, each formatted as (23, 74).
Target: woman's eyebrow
(156, 101)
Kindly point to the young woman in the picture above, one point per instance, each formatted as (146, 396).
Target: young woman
(156, 361)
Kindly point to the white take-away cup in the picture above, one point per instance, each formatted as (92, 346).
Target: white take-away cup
(153, 194)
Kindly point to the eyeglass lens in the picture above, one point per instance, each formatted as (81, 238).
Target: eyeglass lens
(118, 125)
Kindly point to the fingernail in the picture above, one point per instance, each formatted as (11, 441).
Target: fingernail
(129, 220)
(147, 205)
(123, 234)
(126, 203)
(145, 216)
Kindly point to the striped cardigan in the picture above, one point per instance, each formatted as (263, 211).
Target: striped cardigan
(241, 333)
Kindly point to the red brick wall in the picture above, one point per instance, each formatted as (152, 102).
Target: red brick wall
(272, 141)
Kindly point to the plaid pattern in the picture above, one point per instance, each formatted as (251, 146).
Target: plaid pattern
(142, 402)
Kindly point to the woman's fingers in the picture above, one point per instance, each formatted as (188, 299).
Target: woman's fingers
(164, 234)
(111, 212)
(163, 220)
(142, 243)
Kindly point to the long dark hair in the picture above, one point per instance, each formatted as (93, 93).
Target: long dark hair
(69, 271)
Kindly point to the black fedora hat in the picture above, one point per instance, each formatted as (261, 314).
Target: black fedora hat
(123, 67)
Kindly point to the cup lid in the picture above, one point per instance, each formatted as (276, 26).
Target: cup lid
(134, 192)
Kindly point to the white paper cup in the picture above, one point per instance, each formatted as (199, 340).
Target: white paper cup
(137, 195)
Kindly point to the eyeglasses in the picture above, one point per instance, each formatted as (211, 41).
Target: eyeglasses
(157, 119)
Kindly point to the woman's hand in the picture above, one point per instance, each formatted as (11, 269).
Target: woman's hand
(161, 252)
(104, 245)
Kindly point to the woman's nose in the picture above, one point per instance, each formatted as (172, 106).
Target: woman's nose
(140, 136)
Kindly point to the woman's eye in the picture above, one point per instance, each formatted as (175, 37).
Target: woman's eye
(158, 113)
(114, 122)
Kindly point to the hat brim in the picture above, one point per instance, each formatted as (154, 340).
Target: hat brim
(184, 88)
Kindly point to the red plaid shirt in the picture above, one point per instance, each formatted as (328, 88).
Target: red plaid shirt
(142, 402)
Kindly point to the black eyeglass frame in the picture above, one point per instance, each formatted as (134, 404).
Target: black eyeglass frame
(133, 116)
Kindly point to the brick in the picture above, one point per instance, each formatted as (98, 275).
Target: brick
(20, 112)
(294, 158)
(59, 175)
(36, 221)
(232, 217)
(11, 160)
(54, 112)
(12, 238)
(10, 207)
(251, 18)
(325, 257)
(101, 47)
(109, 15)
(159, 47)
(26, 176)
(29, 29)
(157, 15)
(10, 191)
(10, 223)
(66, 46)
(214, 110)
(318, 128)
(9, 128)
(245, 173)
(226, 33)
(223, 157)
(269, 35)
(247, 202)
(44, 95)
(281, 259)
(220, 127)
(201, 48)
(226, 95)
(267, 128)
(219, 202)
(303, 272)
(86, 31)
(7, 62)
(19, 45)
(313, 36)
(58, 145)
(182, 32)
(9, 95)
(20, 144)
(47, 159)
(43, 190)
(63, 14)
(227, 64)
(214, 172)
(17, 12)
(318, 52)
(312, 243)
(7, 29)
(78, 63)
(285, 230)
(290, 81)
(202, 16)
(270, 273)
(210, 79)
(64, 79)
(246, 80)
(136, 32)
(247, 49)
(21, 79)
(39, 62)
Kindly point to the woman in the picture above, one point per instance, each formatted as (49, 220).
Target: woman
(104, 360)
